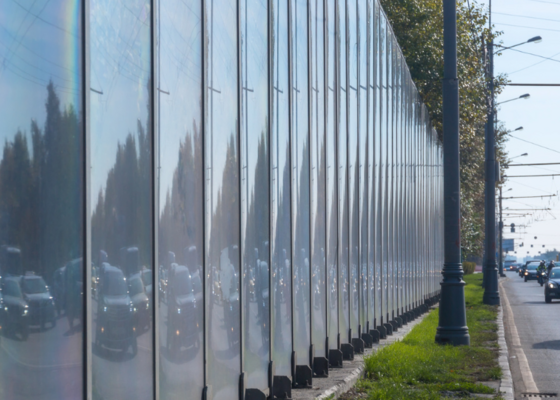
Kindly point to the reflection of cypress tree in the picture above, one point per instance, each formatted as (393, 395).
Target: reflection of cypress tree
(41, 209)
(181, 219)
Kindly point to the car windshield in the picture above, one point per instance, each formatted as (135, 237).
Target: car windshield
(115, 283)
(34, 285)
(136, 286)
(555, 273)
(532, 266)
(11, 288)
(147, 277)
(182, 284)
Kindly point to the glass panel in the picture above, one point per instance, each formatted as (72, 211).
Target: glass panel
(41, 200)
(353, 163)
(343, 278)
(398, 199)
(222, 200)
(318, 171)
(255, 191)
(300, 180)
(384, 167)
(280, 202)
(331, 189)
(363, 20)
(121, 199)
(180, 239)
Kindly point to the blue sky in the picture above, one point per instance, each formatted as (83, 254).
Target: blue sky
(539, 115)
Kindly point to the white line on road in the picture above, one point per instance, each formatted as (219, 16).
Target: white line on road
(526, 374)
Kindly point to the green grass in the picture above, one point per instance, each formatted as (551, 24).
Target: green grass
(418, 368)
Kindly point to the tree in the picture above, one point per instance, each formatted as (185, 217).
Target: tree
(418, 26)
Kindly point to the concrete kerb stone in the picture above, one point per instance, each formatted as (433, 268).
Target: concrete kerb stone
(506, 384)
(341, 380)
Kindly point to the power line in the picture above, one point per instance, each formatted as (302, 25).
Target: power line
(535, 55)
(535, 144)
(532, 84)
(526, 16)
(532, 164)
(528, 176)
(529, 27)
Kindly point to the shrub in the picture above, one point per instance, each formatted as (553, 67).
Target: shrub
(469, 267)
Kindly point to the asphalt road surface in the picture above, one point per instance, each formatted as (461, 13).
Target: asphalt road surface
(533, 336)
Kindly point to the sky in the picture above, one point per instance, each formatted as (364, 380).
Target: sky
(539, 116)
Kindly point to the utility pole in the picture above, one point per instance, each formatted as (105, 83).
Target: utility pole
(452, 327)
(490, 270)
(501, 238)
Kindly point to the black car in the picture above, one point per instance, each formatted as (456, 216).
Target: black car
(39, 299)
(524, 267)
(16, 309)
(115, 312)
(531, 271)
(552, 287)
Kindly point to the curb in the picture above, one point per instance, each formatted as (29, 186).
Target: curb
(506, 384)
(345, 378)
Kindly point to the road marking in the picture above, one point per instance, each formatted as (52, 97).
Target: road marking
(526, 374)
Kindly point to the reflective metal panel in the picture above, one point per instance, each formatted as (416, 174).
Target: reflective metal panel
(121, 199)
(342, 172)
(380, 117)
(281, 294)
(300, 179)
(331, 202)
(372, 132)
(353, 162)
(363, 20)
(41, 200)
(389, 170)
(221, 158)
(180, 231)
(384, 151)
(255, 191)
(318, 176)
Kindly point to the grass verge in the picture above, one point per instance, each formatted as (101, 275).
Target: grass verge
(418, 368)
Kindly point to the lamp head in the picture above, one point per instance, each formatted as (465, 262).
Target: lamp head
(536, 39)
(518, 129)
(525, 96)
(524, 154)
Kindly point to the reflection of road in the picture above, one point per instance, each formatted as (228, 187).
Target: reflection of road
(123, 377)
(223, 358)
(181, 373)
(47, 366)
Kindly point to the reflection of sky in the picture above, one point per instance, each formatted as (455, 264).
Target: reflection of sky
(222, 90)
(180, 75)
(38, 43)
(120, 69)
(255, 93)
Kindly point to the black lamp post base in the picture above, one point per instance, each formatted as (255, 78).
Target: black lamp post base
(456, 336)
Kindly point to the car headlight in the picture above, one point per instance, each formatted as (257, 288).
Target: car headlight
(25, 311)
(552, 285)
(526, 273)
(178, 311)
(105, 309)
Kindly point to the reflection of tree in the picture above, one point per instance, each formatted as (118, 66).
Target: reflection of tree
(181, 219)
(41, 192)
(122, 213)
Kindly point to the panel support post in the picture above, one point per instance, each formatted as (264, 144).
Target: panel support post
(452, 327)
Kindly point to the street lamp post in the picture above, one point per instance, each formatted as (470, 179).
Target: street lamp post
(452, 326)
(490, 270)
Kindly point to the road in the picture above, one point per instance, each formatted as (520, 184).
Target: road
(532, 334)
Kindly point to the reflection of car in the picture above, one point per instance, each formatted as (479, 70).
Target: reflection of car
(58, 290)
(552, 288)
(182, 324)
(115, 327)
(140, 302)
(147, 280)
(16, 310)
(10, 261)
(73, 284)
(531, 271)
(38, 297)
